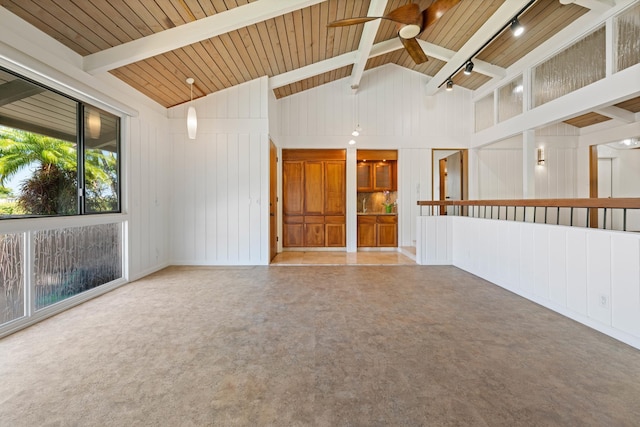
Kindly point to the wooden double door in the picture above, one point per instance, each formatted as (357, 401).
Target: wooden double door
(314, 198)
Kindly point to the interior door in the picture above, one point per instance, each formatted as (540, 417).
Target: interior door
(453, 189)
(273, 199)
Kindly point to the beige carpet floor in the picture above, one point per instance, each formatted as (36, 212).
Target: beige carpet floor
(315, 346)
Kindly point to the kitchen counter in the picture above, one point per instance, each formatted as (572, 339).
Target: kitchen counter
(377, 213)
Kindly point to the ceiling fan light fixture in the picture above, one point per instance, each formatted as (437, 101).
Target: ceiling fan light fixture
(192, 117)
(409, 31)
(516, 28)
(468, 68)
(449, 86)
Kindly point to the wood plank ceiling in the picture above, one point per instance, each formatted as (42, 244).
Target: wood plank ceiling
(278, 46)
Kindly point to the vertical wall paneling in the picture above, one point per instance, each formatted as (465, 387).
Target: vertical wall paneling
(558, 266)
(221, 180)
(222, 207)
(148, 190)
(211, 197)
(390, 106)
(625, 284)
(577, 270)
(599, 277)
(589, 275)
(414, 183)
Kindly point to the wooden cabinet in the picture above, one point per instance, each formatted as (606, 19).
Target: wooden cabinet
(377, 176)
(292, 180)
(387, 231)
(365, 175)
(383, 177)
(367, 230)
(314, 198)
(377, 230)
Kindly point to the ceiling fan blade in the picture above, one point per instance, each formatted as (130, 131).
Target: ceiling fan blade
(414, 49)
(436, 10)
(352, 21)
(407, 14)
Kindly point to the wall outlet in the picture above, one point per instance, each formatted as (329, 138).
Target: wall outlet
(604, 301)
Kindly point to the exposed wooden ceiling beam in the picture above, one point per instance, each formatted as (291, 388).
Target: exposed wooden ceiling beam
(503, 15)
(378, 49)
(376, 8)
(312, 70)
(617, 113)
(184, 35)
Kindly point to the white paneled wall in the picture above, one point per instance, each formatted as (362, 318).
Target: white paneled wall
(148, 192)
(557, 177)
(500, 173)
(390, 106)
(220, 193)
(590, 275)
(414, 183)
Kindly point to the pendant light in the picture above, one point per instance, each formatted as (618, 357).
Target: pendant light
(192, 118)
(94, 123)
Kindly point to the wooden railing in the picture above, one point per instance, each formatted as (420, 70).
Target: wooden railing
(531, 209)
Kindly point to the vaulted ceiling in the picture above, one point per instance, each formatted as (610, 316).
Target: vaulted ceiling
(155, 45)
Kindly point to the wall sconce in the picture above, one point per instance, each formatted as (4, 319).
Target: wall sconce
(541, 156)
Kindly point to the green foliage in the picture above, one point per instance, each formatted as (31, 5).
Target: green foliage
(50, 191)
(52, 188)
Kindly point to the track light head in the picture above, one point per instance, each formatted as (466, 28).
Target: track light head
(449, 85)
(468, 68)
(516, 28)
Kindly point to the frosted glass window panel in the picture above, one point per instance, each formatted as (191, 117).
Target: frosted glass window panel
(11, 277)
(70, 261)
(577, 66)
(627, 38)
(484, 112)
(510, 100)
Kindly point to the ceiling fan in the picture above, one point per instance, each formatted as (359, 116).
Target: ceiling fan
(410, 22)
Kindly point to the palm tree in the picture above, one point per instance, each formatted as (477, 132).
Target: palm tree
(55, 167)
(20, 149)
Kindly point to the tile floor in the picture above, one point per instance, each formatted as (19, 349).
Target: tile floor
(345, 258)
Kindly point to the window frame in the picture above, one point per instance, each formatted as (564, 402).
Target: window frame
(81, 148)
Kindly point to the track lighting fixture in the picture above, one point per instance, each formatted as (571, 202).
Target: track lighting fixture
(192, 118)
(516, 28)
(468, 68)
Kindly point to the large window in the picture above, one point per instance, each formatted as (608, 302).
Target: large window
(58, 156)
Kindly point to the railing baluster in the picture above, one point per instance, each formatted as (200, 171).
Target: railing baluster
(604, 222)
(545, 214)
(571, 221)
(588, 217)
(558, 216)
(624, 219)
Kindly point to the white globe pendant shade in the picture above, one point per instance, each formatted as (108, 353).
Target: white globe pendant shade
(192, 122)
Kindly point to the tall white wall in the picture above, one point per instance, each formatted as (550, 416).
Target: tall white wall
(220, 181)
(500, 173)
(391, 108)
(414, 184)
